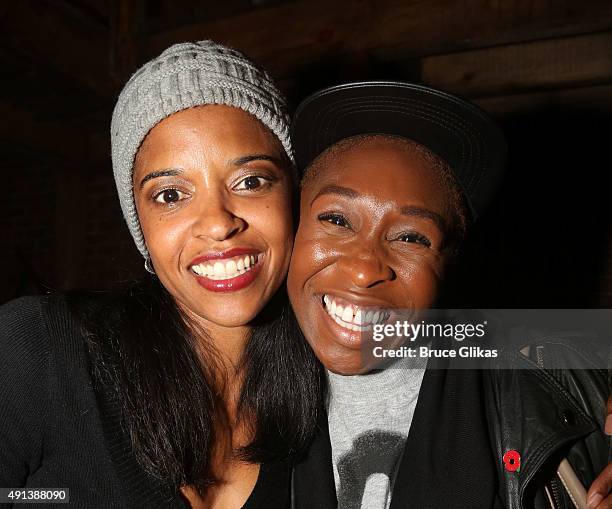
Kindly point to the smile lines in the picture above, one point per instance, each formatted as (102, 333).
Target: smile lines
(355, 318)
(226, 269)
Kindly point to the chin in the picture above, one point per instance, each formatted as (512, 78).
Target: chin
(229, 320)
(343, 363)
(233, 321)
(350, 369)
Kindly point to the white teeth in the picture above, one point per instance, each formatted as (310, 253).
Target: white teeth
(351, 326)
(353, 317)
(219, 269)
(222, 269)
(357, 318)
(347, 314)
(231, 268)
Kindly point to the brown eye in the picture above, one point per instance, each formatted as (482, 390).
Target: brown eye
(415, 238)
(169, 196)
(250, 183)
(337, 219)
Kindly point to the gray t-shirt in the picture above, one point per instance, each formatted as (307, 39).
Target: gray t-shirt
(369, 420)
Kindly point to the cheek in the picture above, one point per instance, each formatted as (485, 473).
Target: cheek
(163, 238)
(303, 266)
(162, 234)
(273, 220)
(312, 257)
(155, 232)
(312, 253)
(420, 283)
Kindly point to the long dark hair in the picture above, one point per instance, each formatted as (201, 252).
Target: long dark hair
(167, 384)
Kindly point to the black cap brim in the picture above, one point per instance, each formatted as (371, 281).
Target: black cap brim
(454, 129)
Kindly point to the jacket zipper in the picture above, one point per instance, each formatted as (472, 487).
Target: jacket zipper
(556, 490)
(550, 488)
(550, 499)
(540, 356)
(553, 488)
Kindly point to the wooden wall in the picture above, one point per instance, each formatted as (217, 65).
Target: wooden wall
(535, 65)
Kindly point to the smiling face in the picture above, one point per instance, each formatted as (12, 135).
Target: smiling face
(375, 220)
(213, 194)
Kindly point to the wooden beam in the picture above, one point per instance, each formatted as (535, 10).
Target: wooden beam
(556, 63)
(596, 100)
(290, 36)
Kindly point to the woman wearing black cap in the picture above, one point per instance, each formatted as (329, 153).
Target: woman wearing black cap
(393, 173)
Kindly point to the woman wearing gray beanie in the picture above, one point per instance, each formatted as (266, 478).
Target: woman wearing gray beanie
(192, 388)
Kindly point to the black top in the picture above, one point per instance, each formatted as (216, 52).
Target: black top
(57, 431)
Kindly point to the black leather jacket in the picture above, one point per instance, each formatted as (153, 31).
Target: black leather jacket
(547, 414)
(543, 414)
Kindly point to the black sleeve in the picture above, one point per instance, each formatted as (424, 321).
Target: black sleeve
(24, 374)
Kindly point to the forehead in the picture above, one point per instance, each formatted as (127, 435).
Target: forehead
(209, 127)
(384, 169)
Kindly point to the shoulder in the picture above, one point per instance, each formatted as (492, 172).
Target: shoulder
(561, 356)
(552, 373)
(21, 311)
(32, 328)
(23, 332)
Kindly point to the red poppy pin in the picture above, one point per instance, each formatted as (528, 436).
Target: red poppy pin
(512, 461)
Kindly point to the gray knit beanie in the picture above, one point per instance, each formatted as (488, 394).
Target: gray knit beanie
(184, 76)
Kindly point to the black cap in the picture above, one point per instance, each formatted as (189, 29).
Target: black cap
(454, 129)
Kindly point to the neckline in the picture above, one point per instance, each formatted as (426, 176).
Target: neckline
(383, 383)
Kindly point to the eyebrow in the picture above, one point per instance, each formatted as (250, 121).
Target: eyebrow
(413, 210)
(340, 190)
(239, 161)
(168, 172)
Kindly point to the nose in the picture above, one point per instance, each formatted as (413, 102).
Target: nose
(216, 221)
(366, 268)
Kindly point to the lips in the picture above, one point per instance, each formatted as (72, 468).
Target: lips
(227, 271)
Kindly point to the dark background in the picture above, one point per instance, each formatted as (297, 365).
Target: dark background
(542, 68)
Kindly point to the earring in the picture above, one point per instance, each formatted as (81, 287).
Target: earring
(149, 266)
